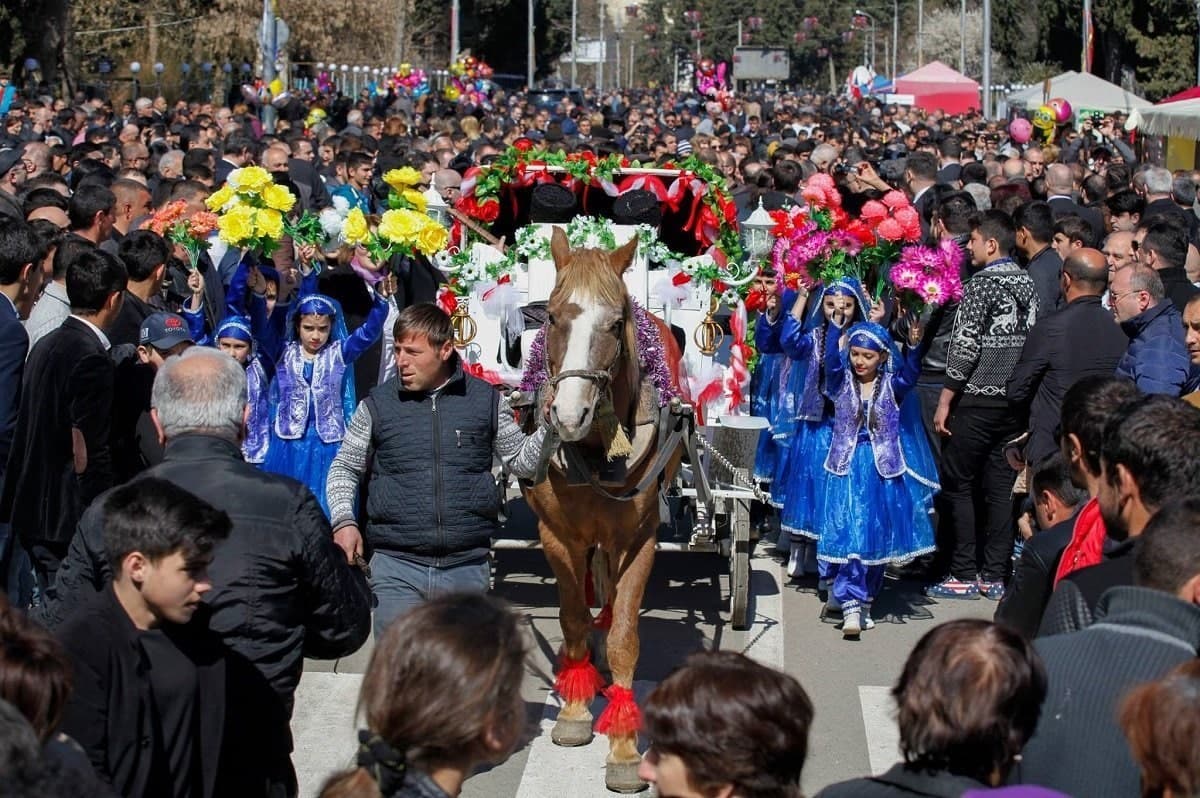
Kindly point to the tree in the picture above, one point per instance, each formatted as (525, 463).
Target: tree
(943, 37)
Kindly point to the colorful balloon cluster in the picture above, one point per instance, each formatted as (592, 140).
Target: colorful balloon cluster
(468, 81)
(710, 81)
(414, 81)
(1050, 115)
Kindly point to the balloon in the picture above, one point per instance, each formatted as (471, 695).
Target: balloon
(1020, 130)
(276, 86)
(405, 69)
(452, 93)
(706, 66)
(457, 69)
(1062, 110)
(1044, 118)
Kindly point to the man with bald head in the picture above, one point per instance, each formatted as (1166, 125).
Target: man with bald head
(448, 184)
(1060, 194)
(1077, 341)
(133, 203)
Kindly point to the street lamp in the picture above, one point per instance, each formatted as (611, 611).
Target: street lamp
(134, 69)
(186, 70)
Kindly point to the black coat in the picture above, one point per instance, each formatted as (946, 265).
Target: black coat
(282, 589)
(14, 345)
(68, 385)
(1078, 748)
(1073, 604)
(110, 712)
(1078, 341)
(1065, 206)
(1046, 270)
(1026, 597)
(904, 782)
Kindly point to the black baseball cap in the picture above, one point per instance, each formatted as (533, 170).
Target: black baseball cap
(164, 331)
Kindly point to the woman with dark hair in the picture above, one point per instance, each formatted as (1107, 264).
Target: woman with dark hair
(723, 726)
(968, 699)
(441, 696)
(1161, 720)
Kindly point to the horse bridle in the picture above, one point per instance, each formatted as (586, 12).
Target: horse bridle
(602, 377)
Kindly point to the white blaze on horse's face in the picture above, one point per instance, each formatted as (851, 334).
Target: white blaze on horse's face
(574, 406)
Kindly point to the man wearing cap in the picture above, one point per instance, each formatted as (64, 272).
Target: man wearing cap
(12, 177)
(134, 441)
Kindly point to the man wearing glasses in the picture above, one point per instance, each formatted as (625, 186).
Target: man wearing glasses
(1157, 359)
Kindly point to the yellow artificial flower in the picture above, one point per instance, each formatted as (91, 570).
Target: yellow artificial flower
(401, 226)
(250, 179)
(218, 199)
(268, 223)
(432, 239)
(356, 231)
(236, 226)
(414, 198)
(402, 178)
(278, 197)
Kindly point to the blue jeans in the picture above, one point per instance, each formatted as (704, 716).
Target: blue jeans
(400, 585)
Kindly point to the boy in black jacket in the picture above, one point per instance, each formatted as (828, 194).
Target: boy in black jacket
(149, 697)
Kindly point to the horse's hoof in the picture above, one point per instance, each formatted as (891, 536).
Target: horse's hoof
(623, 777)
(571, 733)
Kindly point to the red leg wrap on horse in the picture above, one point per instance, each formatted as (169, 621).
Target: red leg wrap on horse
(578, 679)
(603, 621)
(621, 717)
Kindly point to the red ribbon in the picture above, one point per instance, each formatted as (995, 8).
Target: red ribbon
(680, 278)
(447, 301)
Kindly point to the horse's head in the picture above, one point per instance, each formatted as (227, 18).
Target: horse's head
(590, 332)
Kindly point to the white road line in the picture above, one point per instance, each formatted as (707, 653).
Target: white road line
(323, 727)
(578, 772)
(766, 607)
(879, 723)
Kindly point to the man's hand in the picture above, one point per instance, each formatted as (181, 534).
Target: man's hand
(350, 539)
(772, 307)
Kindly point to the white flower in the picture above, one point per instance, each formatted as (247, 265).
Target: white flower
(341, 205)
(690, 266)
(332, 223)
(731, 297)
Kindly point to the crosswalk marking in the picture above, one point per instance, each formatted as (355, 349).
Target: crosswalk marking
(879, 723)
(323, 727)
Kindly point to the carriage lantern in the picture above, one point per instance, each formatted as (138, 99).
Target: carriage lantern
(709, 335)
(462, 324)
(756, 234)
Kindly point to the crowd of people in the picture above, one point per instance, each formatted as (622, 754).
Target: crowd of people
(190, 488)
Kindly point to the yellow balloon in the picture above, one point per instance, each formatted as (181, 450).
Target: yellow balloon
(452, 93)
(276, 87)
(405, 70)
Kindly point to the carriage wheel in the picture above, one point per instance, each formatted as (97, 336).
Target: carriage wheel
(739, 565)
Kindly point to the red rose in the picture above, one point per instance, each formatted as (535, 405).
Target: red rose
(523, 144)
(489, 210)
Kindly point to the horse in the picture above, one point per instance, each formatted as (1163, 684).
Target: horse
(593, 373)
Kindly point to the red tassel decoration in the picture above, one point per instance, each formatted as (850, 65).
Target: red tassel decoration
(603, 621)
(578, 679)
(621, 718)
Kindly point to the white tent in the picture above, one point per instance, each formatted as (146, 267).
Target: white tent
(1082, 90)
(1181, 119)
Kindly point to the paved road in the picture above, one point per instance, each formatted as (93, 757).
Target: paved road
(684, 610)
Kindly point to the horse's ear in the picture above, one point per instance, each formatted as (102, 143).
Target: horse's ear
(560, 248)
(622, 257)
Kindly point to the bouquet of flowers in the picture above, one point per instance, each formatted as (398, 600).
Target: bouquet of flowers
(925, 277)
(250, 209)
(189, 232)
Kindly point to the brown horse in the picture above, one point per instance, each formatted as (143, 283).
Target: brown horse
(592, 363)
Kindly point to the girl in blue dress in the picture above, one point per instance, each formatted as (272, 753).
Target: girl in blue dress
(312, 396)
(877, 498)
(799, 476)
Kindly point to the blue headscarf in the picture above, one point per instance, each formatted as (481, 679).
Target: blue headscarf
(844, 286)
(237, 327)
(875, 337)
(321, 305)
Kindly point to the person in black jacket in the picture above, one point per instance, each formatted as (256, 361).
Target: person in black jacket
(282, 590)
(1080, 340)
(148, 698)
(968, 699)
(60, 459)
(1149, 627)
(1035, 230)
(1056, 503)
(1148, 457)
(1161, 242)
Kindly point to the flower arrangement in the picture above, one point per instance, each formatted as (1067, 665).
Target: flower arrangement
(189, 232)
(925, 277)
(821, 243)
(250, 210)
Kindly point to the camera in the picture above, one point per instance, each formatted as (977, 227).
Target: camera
(843, 169)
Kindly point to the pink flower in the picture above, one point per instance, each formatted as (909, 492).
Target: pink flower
(813, 195)
(906, 215)
(890, 229)
(873, 212)
(895, 199)
(905, 277)
(932, 291)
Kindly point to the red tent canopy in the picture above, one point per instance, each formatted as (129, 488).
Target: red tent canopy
(937, 87)
(1187, 94)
